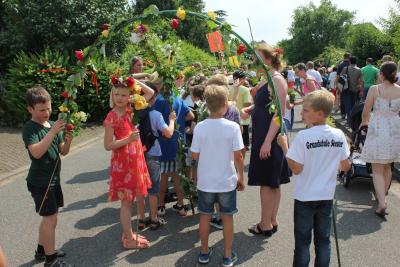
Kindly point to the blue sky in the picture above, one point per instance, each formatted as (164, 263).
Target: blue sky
(270, 20)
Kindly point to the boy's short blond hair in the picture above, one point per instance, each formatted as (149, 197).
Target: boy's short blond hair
(218, 79)
(35, 95)
(320, 100)
(216, 97)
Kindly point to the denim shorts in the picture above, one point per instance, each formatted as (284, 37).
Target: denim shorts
(153, 166)
(226, 201)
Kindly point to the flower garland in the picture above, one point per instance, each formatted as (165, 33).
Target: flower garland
(165, 67)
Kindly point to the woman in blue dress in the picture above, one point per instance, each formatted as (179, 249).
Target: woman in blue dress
(268, 166)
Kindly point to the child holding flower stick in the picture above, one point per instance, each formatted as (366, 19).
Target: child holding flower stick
(129, 176)
(44, 141)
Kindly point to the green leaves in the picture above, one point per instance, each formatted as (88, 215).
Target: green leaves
(151, 10)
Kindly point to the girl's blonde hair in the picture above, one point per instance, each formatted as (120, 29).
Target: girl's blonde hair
(111, 100)
(275, 54)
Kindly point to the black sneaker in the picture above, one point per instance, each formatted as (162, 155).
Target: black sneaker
(181, 210)
(58, 263)
(161, 210)
(216, 223)
(42, 257)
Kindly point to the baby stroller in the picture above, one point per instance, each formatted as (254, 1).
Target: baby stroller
(355, 118)
(359, 168)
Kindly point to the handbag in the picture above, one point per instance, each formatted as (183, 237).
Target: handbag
(343, 81)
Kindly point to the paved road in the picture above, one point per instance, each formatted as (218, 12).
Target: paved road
(89, 231)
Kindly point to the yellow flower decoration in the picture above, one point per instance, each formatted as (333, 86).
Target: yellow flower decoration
(136, 89)
(139, 102)
(277, 121)
(105, 33)
(181, 13)
(63, 109)
(212, 15)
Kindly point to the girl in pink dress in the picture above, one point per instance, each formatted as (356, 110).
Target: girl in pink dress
(129, 176)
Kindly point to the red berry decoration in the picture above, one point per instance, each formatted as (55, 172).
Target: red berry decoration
(70, 127)
(241, 49)
(130, 82)
(64, 94)
(114, 80)
(79, 55)
(174, 24)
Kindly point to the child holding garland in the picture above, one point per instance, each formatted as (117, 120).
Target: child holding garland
(129, 176)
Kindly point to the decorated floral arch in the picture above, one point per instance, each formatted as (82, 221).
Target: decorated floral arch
(164, 65)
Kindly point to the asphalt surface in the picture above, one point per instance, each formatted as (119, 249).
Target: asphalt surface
(89, 231)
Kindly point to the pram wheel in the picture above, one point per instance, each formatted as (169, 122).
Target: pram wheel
(345, 177)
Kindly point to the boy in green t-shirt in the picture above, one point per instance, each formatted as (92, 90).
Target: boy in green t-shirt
(44, 141)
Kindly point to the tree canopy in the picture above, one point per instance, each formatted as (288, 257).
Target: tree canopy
(59, 24)
(315, 27)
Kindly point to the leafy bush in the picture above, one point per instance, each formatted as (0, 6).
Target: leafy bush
(51, 70)
(48, 69)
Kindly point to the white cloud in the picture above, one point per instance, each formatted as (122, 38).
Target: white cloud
(270, 20)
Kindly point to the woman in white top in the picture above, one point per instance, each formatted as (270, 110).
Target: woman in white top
(382, 145)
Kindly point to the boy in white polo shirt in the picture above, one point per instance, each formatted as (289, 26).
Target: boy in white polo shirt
(217, 144)
(314, 157)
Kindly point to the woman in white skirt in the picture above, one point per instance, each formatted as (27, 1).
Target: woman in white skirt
(382, 145)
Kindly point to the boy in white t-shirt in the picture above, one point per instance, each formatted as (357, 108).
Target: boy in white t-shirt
(217, 144)
(314, 157)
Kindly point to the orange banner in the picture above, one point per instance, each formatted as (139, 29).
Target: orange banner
(215, 41)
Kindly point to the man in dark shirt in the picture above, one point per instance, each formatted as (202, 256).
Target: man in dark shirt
(342, 65)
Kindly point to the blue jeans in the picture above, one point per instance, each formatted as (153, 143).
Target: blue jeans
(366, 88)
(153, 166)
(348, 99)
(309, 216)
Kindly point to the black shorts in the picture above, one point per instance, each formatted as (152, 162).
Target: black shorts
(246, 135)
(54, 199)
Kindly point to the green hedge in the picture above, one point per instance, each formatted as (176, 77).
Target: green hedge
(50, 69)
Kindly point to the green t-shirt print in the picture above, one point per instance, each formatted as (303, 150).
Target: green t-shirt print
(41, 169)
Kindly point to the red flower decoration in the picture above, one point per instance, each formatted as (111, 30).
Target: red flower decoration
(142, 29)
(114, 80)
(174, 24)
(241, 49)
(106, 26)
(279, 50)
(130, 82)
(79, 55)
(64, 94)
(70, 127)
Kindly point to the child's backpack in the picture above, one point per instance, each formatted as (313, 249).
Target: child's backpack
(146, 134)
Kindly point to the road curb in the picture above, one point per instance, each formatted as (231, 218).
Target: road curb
(8, 177)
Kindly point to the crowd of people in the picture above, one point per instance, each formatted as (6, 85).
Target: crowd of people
(213, 115)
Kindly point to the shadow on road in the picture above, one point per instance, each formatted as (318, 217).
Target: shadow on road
(89, 177)
(86, 204)
(355, 210)
(246, 247)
